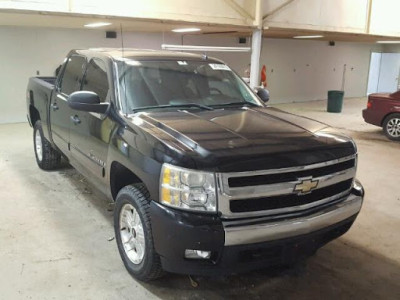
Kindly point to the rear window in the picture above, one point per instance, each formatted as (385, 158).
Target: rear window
(73, 73)
(96, 79)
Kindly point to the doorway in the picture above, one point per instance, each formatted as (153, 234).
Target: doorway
(384, 73)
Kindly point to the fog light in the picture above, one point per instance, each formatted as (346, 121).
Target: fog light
(358, 188)
(197, 254)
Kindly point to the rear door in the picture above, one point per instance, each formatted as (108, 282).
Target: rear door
(69, 82)
(90, 136)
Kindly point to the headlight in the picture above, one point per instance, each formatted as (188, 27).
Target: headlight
(187, 189)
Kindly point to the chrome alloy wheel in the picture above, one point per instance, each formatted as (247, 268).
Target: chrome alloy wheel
(38, 145)
(132, 234)
(393, 127)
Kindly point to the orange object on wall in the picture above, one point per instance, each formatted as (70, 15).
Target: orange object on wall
(264, 76)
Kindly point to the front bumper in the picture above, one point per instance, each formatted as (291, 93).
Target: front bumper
(270, 231)
(245, 248)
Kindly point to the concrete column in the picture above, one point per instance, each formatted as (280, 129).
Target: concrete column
(256, 42)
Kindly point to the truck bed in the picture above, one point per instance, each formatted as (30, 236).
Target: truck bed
(45, 80)
(39, 96)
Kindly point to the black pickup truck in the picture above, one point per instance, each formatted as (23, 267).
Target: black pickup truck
(206, 178)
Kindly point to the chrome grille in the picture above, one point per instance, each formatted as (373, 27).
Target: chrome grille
(244, 194)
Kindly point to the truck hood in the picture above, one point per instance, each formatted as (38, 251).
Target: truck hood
(241, 139)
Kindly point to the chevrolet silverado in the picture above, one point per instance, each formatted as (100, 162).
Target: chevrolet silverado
(206, 178)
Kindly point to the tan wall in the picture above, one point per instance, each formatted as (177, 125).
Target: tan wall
(330, 15)
(385, 17)
(337, 15)
(27, 50)
(326, 15)
(391, 48)
(204, 11)
(299, 70)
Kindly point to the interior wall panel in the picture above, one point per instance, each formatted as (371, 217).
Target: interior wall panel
(297, 70)
(301, 70)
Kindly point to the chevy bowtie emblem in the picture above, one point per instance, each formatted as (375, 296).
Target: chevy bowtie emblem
(306, 186)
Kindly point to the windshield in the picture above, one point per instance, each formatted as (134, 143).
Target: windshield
(188, 84)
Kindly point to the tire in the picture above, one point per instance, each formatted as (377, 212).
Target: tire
(137, 251)
(391, 126)
(47, 157)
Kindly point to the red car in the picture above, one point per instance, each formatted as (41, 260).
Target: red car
(384, 110)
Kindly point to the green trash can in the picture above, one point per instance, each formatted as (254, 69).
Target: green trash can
(335, 101)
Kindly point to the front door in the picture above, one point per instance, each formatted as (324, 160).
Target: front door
(90, 132)
(60, 112)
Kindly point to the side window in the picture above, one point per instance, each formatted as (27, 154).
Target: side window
(96, 79)
(73, 73)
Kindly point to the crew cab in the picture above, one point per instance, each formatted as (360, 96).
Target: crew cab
(383, 110)
(206, 178)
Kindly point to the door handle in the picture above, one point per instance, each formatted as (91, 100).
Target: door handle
(54, 106)
(75, 119)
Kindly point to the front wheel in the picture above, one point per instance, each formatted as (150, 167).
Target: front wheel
(47, 157)
(391, 127)
(133, 233)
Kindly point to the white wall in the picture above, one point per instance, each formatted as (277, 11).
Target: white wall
(26, 50)
(300, 70)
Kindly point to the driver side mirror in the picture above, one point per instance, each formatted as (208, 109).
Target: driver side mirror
(263, 94)
(87, 101)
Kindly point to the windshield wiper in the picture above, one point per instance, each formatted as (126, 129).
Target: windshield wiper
(186, 105)
(235, 104)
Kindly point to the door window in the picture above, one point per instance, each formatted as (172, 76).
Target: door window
(96, 79)
(73, 73)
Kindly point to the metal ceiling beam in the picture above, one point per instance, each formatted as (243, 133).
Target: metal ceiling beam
(204, 48)
(239, 9)
(274, 11)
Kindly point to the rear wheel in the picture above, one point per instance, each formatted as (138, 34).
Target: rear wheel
(47, 157)
(133, 233)
(391, 127)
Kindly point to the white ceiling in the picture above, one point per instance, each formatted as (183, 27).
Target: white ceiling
(52, 20)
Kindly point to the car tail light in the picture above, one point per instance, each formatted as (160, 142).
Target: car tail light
(369, 104)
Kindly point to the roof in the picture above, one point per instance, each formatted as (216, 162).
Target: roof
(119, 54)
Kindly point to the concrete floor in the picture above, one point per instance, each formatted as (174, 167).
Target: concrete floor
(55, 231)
